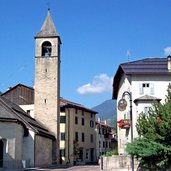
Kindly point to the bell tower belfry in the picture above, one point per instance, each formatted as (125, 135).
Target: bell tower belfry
(47, 79)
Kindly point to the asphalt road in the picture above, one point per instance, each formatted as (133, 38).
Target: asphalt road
(74, 168)
(80, 168)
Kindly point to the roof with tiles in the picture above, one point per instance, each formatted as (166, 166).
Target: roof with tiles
(63, 102)
(70, 104)
(11, 112)
(147, 98)
(103, 124)
(148, 66)
(18, 85)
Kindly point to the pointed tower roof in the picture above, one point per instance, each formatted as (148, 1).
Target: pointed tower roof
(48, 29)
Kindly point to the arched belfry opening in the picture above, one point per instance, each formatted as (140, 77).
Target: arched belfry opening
(1, 152)
(46, 49)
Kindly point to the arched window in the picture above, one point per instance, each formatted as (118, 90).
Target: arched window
(46, 49)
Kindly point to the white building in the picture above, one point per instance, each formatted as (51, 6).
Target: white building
(22, 139)
(147, 81)
(105, 138)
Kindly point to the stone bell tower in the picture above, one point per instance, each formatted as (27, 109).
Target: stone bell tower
(47, 79)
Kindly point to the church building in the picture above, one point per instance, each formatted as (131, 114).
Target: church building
(27, 141)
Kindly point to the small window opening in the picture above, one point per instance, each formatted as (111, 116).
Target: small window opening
(145, 84)
(28, 111)
(46, 49)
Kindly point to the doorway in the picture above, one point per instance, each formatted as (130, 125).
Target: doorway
(1, 153)
(92, 154)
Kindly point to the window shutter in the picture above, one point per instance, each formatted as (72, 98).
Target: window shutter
(151, 88)
(141, 89)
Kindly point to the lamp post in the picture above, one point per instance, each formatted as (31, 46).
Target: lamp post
(122, 104)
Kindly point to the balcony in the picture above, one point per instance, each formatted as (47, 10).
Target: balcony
(124, 123)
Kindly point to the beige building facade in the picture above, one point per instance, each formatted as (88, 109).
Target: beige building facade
(77, 134)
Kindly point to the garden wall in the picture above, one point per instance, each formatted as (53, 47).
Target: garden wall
(121, 163)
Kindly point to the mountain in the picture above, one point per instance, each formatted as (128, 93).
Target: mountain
(107, 111)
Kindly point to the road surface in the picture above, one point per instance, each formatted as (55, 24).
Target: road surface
(74, 168)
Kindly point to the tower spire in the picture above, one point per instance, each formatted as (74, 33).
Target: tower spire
(48, 28)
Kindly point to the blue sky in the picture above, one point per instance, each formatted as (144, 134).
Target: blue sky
(97, 35)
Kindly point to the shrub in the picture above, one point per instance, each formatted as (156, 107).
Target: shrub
(111, 153)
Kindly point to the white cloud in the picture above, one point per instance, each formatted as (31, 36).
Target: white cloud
(167, 51)
(101, 83)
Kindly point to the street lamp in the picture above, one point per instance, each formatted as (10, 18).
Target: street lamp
(122, 104)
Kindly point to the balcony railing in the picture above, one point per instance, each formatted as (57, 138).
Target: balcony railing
(124, 123)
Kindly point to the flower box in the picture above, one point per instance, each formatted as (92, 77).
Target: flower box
(124, 123)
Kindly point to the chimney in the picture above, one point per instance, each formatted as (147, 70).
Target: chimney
(169, 63)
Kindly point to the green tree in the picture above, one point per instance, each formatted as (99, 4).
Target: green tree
(75, 150)
(153, 146)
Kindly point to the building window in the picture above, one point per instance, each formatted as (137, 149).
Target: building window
(87, 153)
(62, 152)
(103, 144)
(46, 49)
(146, 88)
(145, 85)
(151, 88)
(82, 121)
(62, 119)
(81, 154)
(91, 115)
(76, 136)
(99, 144)
(82, 137)
(28, 111)
(62, 109)
(1, 153)
(146, 110)
(103, 131)
(76, 120)
(76, 111)
(109, 145)
(62, 136)
(91, 138)
(106, 144)
(91, 124)
(82, 113)
(99, 130)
